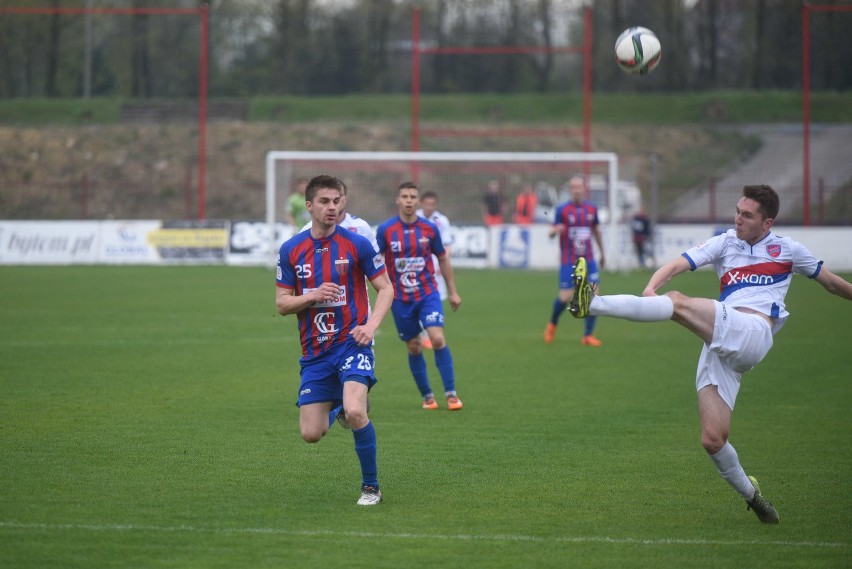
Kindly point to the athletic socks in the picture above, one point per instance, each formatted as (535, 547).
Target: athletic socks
(590, 325)
(444, 363)
(558, 307)
(365, 448)
(417, 364)
(332, 415)
(636, 308)
(728, 464)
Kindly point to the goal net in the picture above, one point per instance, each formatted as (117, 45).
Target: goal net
(459, 178)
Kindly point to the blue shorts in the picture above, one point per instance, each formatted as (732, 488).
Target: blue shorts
(323, 376)
(412, 317)
(566, 274)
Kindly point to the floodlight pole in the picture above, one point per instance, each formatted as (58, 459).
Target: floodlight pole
(806, 99)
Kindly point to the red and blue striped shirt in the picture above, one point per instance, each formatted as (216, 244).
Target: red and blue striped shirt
(343, 258)
(408, 250)
(576, 240)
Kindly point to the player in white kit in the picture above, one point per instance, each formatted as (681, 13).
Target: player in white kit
(429, 210)
(755, 267)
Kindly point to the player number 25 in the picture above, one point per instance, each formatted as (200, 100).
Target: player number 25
(304, 271)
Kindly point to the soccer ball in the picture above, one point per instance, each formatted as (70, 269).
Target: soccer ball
(637, 50)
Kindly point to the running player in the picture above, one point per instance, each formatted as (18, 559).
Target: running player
(321, 278)
(408, 242)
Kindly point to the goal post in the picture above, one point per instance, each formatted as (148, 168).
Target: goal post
(459, 179)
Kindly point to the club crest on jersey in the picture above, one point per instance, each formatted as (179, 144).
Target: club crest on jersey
(774, 250)
(342, 266)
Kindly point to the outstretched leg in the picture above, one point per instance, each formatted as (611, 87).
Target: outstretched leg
(696, 314)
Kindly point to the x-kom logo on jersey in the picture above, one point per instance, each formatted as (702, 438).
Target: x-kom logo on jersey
(736, 277)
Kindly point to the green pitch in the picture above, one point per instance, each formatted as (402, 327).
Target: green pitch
(147, 420)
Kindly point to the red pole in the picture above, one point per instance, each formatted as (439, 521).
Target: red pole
(415, 79)
(204, 12)
(806, 114)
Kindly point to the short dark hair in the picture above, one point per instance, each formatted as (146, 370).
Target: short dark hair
(429, 194)
(320, 182)
(408, 185)
(766, 197)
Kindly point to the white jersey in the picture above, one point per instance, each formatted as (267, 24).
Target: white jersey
(442, 222)
(755, 276)
(355, 225)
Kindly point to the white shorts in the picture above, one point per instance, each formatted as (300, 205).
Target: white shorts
(740, 341)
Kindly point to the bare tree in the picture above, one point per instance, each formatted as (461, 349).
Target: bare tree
(141, 58)
(708, 38)
(51, 88)
(379, 15)
(543, 66)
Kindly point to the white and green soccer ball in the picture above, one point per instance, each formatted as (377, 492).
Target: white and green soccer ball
(638, 50)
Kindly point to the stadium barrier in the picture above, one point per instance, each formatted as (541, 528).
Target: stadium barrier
(245, 242)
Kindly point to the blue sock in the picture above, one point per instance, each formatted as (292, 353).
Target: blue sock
(332, 415)
(365, 448)
(444, 363)
(590, 324)
(558, 308)
(418, 370)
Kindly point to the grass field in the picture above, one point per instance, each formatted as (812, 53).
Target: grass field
(147, 420)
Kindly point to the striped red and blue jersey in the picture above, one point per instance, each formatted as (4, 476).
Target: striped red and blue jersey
(576, 240)
(343, 258)
(755, 276)
(408, 250)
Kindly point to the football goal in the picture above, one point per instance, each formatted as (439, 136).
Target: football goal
(459, 178)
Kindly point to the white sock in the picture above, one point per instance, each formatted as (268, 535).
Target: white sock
(728, 464)
(636, 308)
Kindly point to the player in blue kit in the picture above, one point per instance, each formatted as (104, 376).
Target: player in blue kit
(321, 278)
(576, 223)
(755, 268)
(408, 243)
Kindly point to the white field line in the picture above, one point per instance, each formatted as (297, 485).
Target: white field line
(412, 536)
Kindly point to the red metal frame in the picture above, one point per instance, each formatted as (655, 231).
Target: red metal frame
(202, 12)
(806, 100)
(417, 51)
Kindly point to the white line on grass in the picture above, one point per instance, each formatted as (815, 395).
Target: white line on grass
(413, 536)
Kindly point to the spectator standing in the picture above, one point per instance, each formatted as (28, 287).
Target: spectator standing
(525, 205)
(641, 229)
(493, 204)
